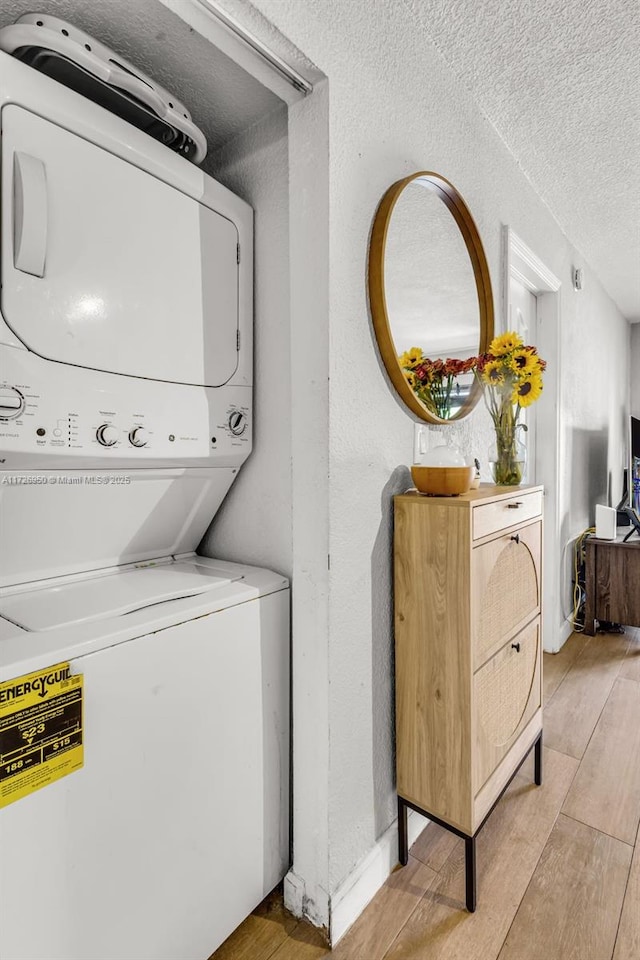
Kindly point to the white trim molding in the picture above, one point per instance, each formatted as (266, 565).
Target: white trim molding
(526, 267)
(565, 632)
(259, 48)
(362, 884)
(210, 19)
(521, 264)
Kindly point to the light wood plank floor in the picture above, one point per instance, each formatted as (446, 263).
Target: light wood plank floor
(558, 865)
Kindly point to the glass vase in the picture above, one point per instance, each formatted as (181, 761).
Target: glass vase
(507, 455)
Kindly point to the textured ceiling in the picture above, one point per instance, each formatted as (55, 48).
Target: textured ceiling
(222, 98)
(560, 82)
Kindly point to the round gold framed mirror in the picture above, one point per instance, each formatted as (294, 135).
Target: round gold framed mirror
(429, 291)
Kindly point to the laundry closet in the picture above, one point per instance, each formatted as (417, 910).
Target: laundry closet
(146, 499)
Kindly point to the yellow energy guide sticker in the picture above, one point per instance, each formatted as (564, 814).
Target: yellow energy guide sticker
(40, 730)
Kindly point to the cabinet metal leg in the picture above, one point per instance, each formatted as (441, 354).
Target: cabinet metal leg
(403, 844)
(538, 761)
(470, 872)
(469, 842)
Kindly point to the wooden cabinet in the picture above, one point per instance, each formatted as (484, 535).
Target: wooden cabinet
(468, 653)
(612, 581)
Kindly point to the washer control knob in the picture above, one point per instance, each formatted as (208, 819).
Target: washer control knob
(138, 437)
(107, 435)
(11, 403)
(237, 422)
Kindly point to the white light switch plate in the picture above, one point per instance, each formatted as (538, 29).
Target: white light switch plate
(420, 442)
(424, 438)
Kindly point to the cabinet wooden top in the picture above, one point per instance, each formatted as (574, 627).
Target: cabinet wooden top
(486, 493)
(633, 541)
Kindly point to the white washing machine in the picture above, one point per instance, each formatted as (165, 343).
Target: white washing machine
(144, 770)
(176, 825)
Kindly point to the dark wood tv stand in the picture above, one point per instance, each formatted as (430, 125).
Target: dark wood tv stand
(612, 581)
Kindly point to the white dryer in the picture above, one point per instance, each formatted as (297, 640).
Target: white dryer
(143, 689)
(125, 335)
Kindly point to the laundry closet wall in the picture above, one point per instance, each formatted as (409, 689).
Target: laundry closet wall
(395, 107)
(254, 524)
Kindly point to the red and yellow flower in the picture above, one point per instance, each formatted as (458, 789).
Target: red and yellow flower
(525, 361)
(505, 343)
(433, 381)
(410, 358)
(527, 390)
(510, 375)
(511, 378)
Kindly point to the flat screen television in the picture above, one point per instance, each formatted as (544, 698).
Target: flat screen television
(634, 464)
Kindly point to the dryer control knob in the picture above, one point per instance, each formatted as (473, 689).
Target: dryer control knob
(107, 435)
(11, 403)
(237, 423)
(138, 437)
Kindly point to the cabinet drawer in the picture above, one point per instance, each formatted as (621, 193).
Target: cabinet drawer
(507, 694)
(506, 589)
(490, 518)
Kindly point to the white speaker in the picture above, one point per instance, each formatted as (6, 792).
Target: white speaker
(605, 522)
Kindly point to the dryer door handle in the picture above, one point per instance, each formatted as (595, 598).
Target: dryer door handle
(29, 214)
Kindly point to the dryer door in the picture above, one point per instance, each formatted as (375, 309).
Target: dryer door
(104, 266)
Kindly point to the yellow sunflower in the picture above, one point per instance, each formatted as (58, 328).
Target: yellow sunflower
(505, 343)
(410, 358)
(493, 372)
(525, 362)
(410, 377)
(527, 391)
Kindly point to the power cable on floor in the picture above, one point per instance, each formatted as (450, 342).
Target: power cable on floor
(579, 591)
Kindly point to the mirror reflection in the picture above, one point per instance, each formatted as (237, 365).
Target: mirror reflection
(429, 283)
(431, 298)
(430, 295)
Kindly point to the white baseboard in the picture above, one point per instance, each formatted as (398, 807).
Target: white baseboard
(293, 893)
(301, 901)
(355, 892)
(565, 632)
(560, 638)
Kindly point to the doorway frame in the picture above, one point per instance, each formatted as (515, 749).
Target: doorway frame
(520, 263)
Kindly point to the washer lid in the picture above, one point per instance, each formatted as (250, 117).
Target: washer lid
(112, 595)
(107, 267)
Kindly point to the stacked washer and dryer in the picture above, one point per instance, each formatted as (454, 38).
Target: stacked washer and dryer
(144, 759)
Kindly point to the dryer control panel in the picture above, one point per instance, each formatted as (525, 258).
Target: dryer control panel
(53, 414)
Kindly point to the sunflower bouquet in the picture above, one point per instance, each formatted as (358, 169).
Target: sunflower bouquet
(433, 381)
(511, 378)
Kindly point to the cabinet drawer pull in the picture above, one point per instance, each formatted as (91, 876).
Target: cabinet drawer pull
(515, 538)
(516, 647)
(514, 506)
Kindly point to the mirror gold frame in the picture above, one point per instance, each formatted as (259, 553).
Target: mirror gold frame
(446, 192)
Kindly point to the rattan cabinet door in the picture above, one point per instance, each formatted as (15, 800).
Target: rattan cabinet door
(506, 589)
(507, 693)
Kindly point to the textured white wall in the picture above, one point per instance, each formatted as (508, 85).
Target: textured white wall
(635, 369)
(254, 523)
(595, 375)
(594, 406)
(395, 108)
